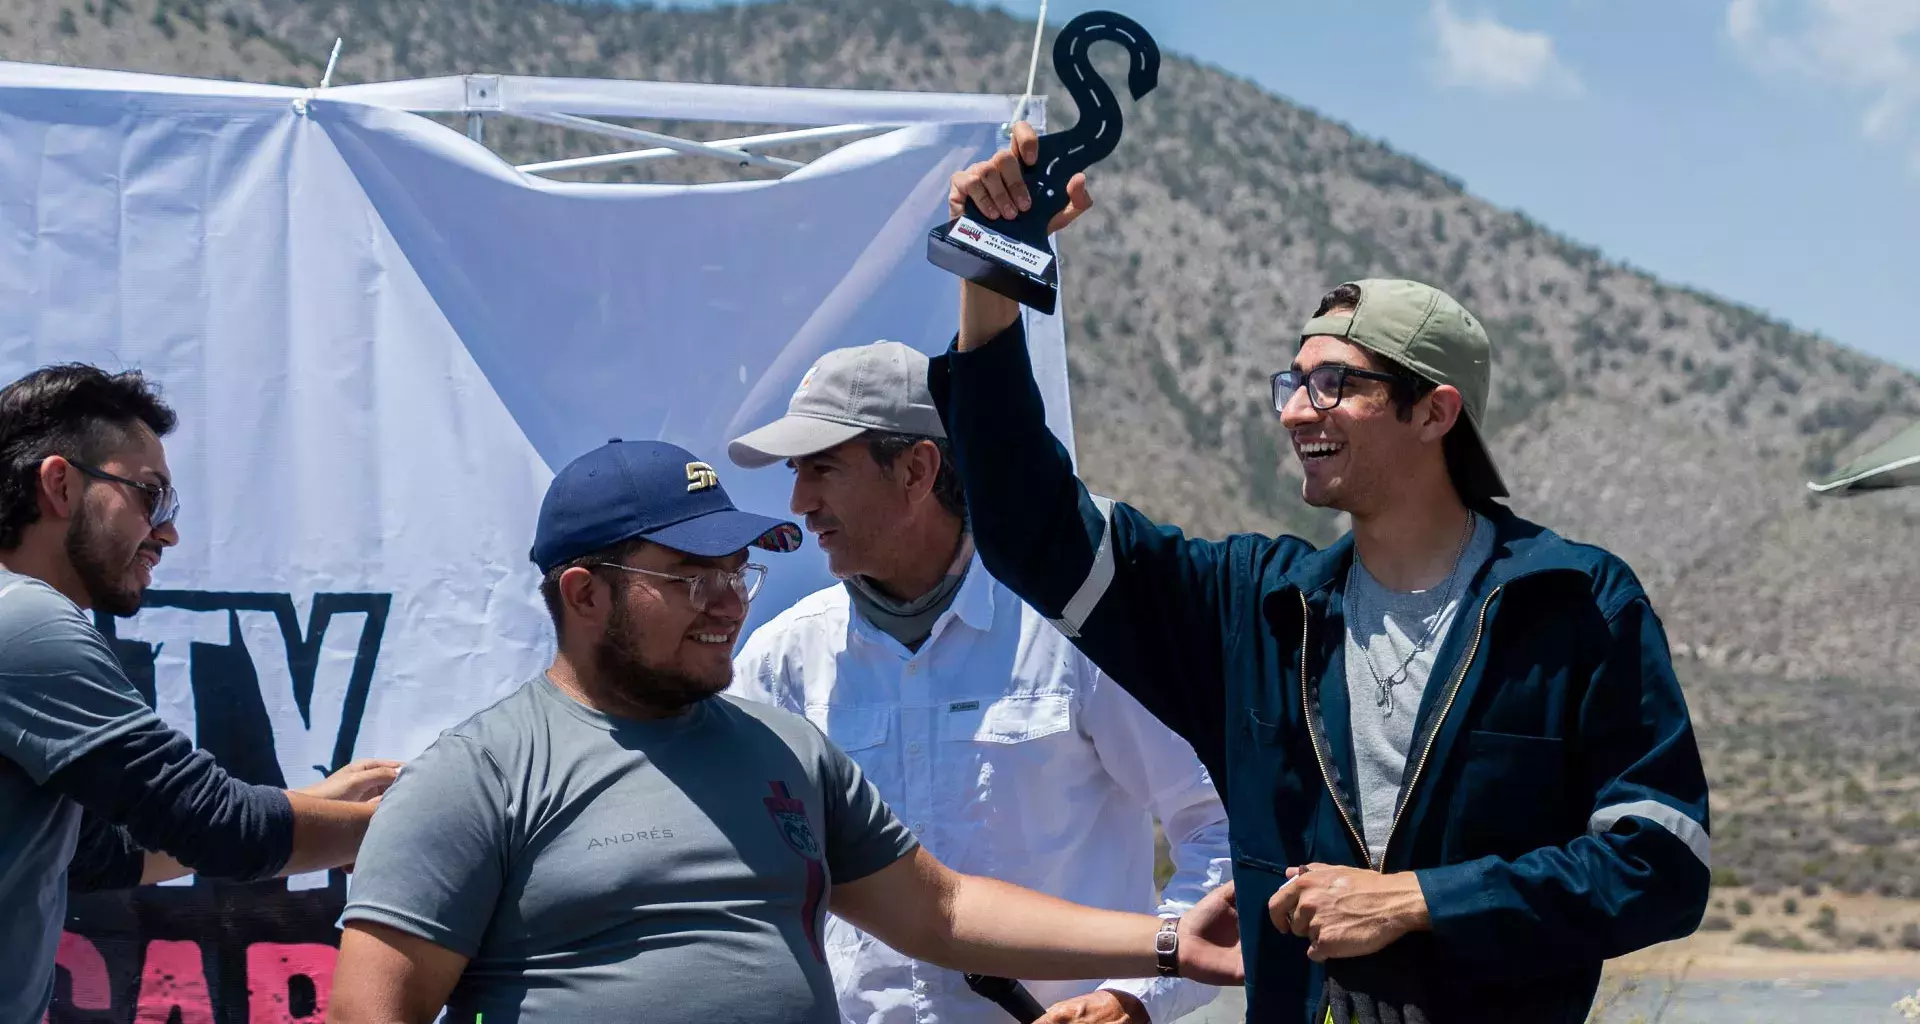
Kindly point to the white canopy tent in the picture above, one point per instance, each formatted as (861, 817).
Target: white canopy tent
(382, 340)
(1892, 463)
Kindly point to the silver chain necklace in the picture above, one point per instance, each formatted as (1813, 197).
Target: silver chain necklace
(1384, 700)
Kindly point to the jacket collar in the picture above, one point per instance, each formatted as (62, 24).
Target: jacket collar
(1520, 548)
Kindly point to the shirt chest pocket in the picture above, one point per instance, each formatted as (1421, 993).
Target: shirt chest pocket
(989, 745)
(862, 733)
(1002, 770)
(1512, 798)
(1007, 720)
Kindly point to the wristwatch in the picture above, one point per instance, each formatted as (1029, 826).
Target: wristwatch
(1166, 947)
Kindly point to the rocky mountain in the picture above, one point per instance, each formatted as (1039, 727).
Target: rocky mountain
(1672, 426)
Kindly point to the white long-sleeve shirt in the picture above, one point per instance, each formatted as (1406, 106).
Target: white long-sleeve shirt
(1009, 755)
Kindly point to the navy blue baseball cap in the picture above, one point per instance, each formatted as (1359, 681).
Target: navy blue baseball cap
(652, 490)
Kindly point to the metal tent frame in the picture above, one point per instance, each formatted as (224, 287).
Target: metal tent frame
(819, 115)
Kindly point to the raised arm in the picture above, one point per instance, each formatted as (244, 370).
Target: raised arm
(1151, 607)
(998, 189)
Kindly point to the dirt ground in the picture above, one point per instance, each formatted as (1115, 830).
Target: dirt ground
(1791, 935)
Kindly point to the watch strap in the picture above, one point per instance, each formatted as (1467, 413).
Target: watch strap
(1166, 948)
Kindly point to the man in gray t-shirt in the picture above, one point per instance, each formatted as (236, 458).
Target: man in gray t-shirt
(549, 842)
(617, 840)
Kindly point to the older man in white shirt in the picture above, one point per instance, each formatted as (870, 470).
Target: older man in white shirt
(1003, 748)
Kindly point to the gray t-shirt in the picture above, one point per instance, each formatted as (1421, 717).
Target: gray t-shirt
(62, 694)
(1385, 626)
(600, 868)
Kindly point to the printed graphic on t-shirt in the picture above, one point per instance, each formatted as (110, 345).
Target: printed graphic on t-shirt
(790, 817)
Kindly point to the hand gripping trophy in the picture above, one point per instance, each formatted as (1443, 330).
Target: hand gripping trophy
(1013, 257)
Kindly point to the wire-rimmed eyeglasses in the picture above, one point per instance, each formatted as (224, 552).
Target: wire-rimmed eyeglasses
(707, 585)
(1326, 384)
(163, 502)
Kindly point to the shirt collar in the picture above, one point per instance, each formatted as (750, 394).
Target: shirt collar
(974, 603)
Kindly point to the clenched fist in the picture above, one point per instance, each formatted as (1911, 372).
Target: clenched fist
(1347, 912)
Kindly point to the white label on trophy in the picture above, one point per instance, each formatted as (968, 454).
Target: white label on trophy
(984, 239)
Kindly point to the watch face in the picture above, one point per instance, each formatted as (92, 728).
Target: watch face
(1166, 942)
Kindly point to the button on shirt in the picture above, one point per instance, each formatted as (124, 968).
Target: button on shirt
(1007, 754)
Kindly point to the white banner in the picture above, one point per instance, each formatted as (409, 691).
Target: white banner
(382, 341)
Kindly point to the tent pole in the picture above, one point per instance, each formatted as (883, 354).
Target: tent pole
(749, 142)
(736, 156)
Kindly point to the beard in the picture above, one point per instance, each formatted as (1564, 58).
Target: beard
(108, 576)
(621, 667)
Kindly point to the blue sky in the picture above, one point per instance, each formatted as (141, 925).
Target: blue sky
(1764, 150)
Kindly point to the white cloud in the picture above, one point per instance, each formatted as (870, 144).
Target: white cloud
(1869, 48)
(1481, 53)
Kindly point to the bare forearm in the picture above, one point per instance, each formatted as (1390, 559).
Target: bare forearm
(967, 923)
(1000, 929)
(983, 315)
(326, 833)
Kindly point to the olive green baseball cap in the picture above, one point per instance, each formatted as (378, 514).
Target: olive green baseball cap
(1423, 329)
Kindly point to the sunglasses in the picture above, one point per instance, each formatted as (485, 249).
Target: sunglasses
(163, 503)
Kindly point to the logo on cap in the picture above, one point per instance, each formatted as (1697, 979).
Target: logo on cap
(806, 380)
(701, 476)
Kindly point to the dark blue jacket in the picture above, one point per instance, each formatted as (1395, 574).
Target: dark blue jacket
(1554, 806)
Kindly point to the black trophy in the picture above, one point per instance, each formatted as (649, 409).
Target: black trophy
(1013, 257)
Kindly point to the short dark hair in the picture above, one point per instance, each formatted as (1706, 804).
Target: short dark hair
(888, 447)
(1347, 296)
(550, 580)
(1409, 388)
(78, 412)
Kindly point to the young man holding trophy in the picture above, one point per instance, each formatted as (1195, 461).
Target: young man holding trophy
(1459, 770)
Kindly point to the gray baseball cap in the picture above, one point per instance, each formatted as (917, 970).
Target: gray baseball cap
(849, 391)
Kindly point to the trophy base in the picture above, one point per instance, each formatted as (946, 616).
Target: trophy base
(997, 262)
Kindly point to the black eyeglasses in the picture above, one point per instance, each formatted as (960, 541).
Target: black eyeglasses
(1326, 384)
(704, 587)
(162, 502)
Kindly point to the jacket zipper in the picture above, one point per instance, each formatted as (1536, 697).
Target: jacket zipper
(1314, 738)
(1434, 734)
